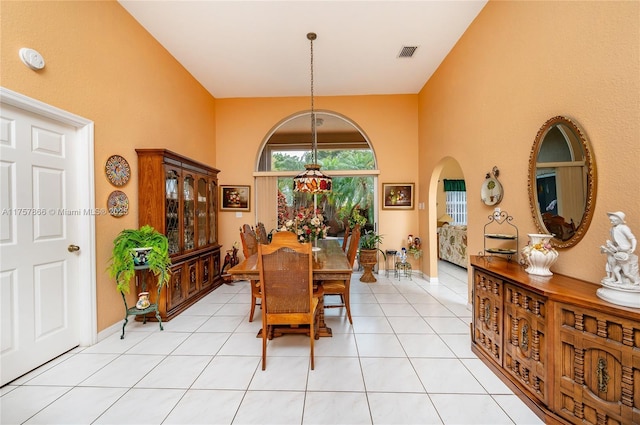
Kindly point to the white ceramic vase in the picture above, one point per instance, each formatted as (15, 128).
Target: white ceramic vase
(143, 301)
(539, 255)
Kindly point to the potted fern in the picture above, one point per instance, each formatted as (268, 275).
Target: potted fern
(139, 248)
(369, 242)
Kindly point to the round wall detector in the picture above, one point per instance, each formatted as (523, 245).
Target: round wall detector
(32, 58)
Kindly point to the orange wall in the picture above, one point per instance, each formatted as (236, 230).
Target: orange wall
(102, 65)
(390, 122)
(517, 65)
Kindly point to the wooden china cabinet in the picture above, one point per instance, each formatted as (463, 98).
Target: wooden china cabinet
(571, 356)
(179, 197)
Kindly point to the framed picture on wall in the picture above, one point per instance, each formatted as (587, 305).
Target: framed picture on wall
(397, 196)
(235, 198)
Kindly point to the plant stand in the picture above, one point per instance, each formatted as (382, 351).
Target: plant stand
(391, 255)
(368, 259)
(501, 243)
(403, 268)
(134, 311)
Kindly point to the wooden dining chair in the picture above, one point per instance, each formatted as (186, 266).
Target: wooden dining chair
(286, 282)
(343, 287)
(261, 233)
(249, 248)
(345, 240)
(249, 241)
(284, 236)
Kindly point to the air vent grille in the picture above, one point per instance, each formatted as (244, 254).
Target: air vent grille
(407, 51)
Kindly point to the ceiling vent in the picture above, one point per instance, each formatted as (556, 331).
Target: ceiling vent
(407, 51)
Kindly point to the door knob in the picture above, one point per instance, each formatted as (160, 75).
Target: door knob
(73, 248)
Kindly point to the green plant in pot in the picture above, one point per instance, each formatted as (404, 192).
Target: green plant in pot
(416, 252)
(352, 216)
(368, 258)
(127, 254)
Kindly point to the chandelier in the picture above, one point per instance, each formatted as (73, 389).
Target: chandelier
(312, 180)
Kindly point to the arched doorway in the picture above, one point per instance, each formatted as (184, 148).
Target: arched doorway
(344, 152)
(448, 193)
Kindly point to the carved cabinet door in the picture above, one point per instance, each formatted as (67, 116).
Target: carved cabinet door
(175, 289)
(193, 281)
(597, 368)
(206, 270)
(525, 355)
(487, 315)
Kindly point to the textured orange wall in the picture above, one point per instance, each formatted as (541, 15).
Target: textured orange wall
(390, 122)
(102, 65)
(517, 65)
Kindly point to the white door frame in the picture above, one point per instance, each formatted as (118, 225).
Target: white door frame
(87, 299)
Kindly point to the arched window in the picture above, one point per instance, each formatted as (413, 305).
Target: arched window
(344, 152)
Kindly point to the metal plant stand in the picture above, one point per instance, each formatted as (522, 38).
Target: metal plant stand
(390, 256)
(135, 311)
(403, 267)
(503, 243)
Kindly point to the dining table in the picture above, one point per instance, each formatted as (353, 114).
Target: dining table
(329, 263)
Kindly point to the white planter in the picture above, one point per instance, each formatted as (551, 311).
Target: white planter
(140, 256)
(539, 255)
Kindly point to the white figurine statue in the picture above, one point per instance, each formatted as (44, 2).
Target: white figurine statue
(622, 284)
(622, 263)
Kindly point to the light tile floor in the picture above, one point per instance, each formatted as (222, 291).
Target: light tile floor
(405, 360)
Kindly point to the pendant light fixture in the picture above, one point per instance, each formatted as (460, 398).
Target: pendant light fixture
(312, 180)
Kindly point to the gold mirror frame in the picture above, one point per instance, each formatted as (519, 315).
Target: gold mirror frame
(590, 194)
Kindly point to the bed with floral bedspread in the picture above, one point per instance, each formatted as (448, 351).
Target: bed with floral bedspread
(452, 244)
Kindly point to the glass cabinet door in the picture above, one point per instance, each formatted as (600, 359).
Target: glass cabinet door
(213, 211)
(201, 211)
(189, 218)
(172, 205)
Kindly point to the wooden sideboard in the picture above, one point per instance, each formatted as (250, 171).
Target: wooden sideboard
(179, 197)
(571, 356)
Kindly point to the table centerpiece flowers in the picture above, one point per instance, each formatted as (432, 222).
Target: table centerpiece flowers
(308, 224)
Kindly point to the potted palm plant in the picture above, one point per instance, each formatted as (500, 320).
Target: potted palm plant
(139, 248)
(369, 242)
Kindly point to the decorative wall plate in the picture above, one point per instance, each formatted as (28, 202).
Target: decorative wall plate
(118, 203)
(117, 170)
(491, 192)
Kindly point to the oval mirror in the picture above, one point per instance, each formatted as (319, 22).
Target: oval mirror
(562, 181)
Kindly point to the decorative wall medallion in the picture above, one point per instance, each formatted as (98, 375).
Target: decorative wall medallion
(491, 192)
(118, 203)
(117, 170)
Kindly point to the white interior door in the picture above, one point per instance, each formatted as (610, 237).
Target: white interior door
(41, 224)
